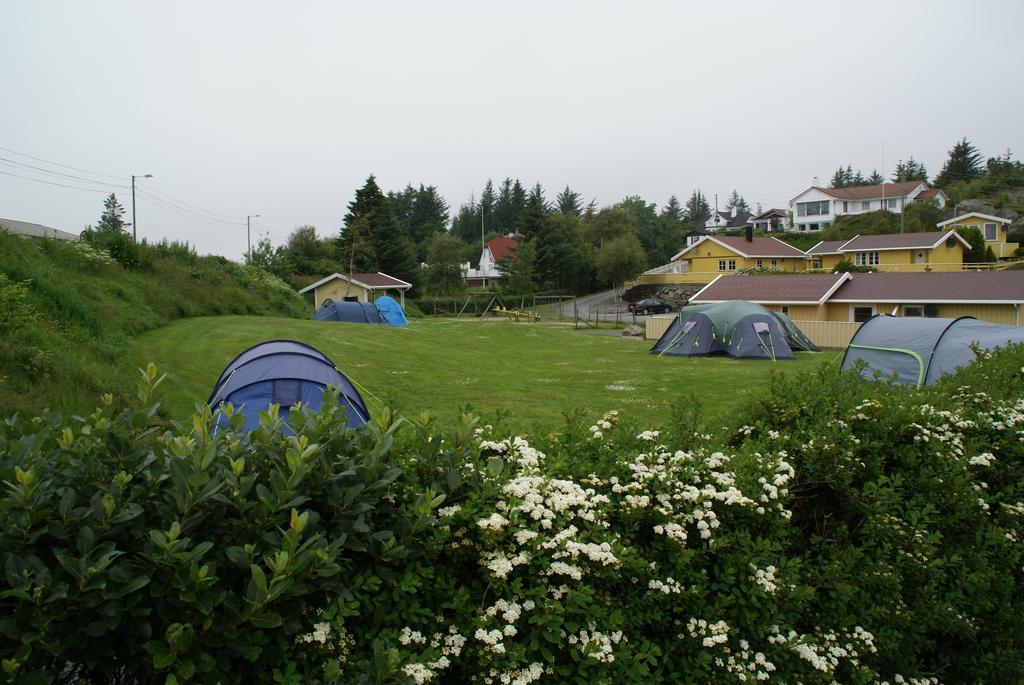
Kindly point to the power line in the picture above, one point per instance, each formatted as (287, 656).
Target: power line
(58, 173)
(65, 166)
(155, 199)
(174, 200)
(52, 183)
(157, 202)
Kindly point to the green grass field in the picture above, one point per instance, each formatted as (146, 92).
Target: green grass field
(534, 371)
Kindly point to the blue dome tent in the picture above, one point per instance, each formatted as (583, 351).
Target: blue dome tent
(391, 310)
(284, 372)
(351, 312)
(920, 350)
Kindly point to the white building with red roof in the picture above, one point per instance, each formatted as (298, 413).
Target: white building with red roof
(496, 251)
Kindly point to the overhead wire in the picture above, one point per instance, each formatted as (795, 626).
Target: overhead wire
(64, 166)
(157, 202)
(61, 174)
(53, 183)
(174, 200)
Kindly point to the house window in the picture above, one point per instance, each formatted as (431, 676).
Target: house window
(890, 203)
(732, 265)
(812, 208)
(916, 310)
(785, 310)
(865, 206)
(991, 232)
(816, 263)
(721, 265)
(862, 314)
(775, 262)
(867, 258)
(846, 206)
(760, 264)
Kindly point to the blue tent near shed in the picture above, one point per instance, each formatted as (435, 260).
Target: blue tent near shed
(284, 372)
(351, 312)
(391, 310)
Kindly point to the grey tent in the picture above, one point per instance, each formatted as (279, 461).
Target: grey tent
(738, 328)
(352, 312)
(918, 350)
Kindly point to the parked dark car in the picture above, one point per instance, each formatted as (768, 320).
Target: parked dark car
(649, 307)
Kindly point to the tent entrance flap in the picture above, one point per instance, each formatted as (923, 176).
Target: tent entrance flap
(897, 350)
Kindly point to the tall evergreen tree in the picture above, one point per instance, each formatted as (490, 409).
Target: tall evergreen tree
(736, 203)
(838, 179)
(112, 219)
(563, 260)
(963, 164)
(444, 265)
(569, 202)
(518, 204)
(697, 209)
(673, 212)
(488, 199)
(372, 239)
(911, 170)
(466, 224)
(536, 210)
(875, 179)
(505, 211)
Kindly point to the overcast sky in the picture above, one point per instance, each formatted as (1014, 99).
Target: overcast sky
(283, 109)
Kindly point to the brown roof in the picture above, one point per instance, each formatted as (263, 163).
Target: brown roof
(894, 241)
(935, 287)
(787, 289)
(871, 192)
(502, 247)
(377, 280)
(929, 193)
(827, 247)
(758, 247)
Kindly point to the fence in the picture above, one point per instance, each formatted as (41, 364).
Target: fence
(834, 334)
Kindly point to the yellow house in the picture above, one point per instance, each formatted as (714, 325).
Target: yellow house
(899, 252)
(713, 256)
(993, 228)
(355, 288)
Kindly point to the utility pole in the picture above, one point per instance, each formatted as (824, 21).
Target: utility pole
(135, 224)
(248, 236)
(482, 243)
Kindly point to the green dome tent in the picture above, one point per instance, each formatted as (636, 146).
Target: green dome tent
(738, 328)
(918, 351)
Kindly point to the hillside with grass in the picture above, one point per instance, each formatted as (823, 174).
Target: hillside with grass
(69, 312)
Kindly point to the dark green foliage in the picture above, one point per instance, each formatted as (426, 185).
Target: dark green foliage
(608, 224)
(656, 235)
(620, 259)
(444, 265)
(847, 266)
(736, 203)
(309, 255)
(520, 271)
(373, 240)
(976, 253)
(112, 219)
(564, 260)
(911, 170)
(569, 202)
(875, 179)
(964, 164)
(421, 213)
(697, 209)
(536, 211)
(509, 207)
(85, 309)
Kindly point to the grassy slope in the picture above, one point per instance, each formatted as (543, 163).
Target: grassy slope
(535, 371)
(84, 312)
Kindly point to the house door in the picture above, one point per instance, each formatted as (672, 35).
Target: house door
(919, 257)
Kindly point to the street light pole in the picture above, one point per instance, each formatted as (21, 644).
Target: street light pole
(135, 224)
(248, 236)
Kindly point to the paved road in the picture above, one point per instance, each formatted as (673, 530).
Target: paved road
(603, 306)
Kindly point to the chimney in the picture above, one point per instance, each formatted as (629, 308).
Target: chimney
(815, 182)
(750, 234)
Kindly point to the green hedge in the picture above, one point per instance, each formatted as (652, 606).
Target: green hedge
(837, 531)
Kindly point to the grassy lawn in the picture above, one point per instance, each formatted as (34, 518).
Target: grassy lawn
(534, 371)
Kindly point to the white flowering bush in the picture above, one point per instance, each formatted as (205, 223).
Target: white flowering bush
(838, 531)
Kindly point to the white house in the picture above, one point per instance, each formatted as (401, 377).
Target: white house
(726, 219)
(496, 250)
(816, 208)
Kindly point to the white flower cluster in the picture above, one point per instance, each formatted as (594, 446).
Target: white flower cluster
(493, 522)
(509, 612)
(408, 636)
(746, 663)
(444, 512)
(765, 578)
(825, 652)
(605, 423)
(517, 450)
(900, 680)
(668, 586)
(596, 645)
(711, 634)
(650, 436)
(522, 676)
(984, 459)
(321, 631)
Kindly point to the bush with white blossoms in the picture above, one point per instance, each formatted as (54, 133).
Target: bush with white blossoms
(836, 531)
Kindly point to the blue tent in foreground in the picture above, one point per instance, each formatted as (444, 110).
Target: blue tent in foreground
(284, 372)
(919, 350)
(351, 312)
(391, 310)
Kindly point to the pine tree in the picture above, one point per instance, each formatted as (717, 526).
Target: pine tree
(672, 212)
(569, 202)
(466, 224)
(488, 198)
(963, 164)
(875, 179)
(563, 261)
(911, 170)
(736, 204)
(697, 209)
(111, 220)
(838, 179)
(533, 215)
(518, 205)
(504, 208)
(372, 238)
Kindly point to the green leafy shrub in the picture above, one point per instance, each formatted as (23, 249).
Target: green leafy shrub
(839, 530)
